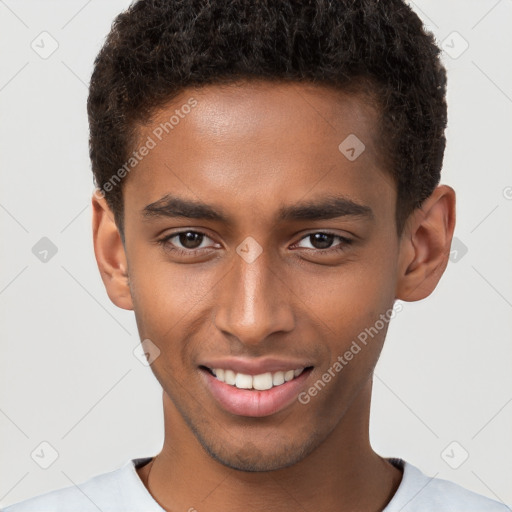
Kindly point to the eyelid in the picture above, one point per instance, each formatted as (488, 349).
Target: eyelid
(165, 239)
(344, 240)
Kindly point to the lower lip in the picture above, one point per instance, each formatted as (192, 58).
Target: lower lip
(246, 402)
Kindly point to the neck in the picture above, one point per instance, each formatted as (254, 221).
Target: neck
(342, 474)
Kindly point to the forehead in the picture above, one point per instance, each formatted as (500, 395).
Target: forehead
(245, 111)
(256, 146)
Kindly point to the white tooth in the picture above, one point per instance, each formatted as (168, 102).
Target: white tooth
(262, 381)
(297, 372)
(243, 381)
(219, 373)
(288, 375)
(229, 377)
(214, 371)
(278, 378)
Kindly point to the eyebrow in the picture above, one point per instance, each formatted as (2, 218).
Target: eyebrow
(330, 207)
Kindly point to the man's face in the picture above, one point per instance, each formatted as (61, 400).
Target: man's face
(257, 285)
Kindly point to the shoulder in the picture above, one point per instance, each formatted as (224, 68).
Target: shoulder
(53, 501)
(420, 493)
(110, 491)
(88, 496)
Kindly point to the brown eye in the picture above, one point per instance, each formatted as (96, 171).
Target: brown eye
(184, 242)
(321, 240)
(324, 241)
(190, 239)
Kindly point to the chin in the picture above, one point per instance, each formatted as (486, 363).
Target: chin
(250, 457)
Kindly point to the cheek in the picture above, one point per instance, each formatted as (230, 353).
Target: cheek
(355, 306)
(165, 295)
(352, 297)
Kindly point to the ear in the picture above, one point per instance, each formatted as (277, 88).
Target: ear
(425, 245)
(110, 253)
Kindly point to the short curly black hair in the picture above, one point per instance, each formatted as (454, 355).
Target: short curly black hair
(156, 48)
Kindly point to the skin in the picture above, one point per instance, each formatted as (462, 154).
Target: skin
(249, 149)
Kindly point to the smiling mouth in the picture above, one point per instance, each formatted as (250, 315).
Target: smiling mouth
(260, 382)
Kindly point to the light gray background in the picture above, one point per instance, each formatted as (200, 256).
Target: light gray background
(68, 373)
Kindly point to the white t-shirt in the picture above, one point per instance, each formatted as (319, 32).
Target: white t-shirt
(122, 490)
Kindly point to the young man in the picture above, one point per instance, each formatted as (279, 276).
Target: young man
(268, 188)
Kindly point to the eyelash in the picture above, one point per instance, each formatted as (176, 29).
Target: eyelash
(164, 242)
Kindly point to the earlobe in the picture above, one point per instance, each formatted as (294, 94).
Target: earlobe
(110, 253)
(425, 245)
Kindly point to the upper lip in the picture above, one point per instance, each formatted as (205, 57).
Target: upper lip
(256, 366)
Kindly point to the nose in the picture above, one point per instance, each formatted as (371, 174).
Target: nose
(254, 301)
